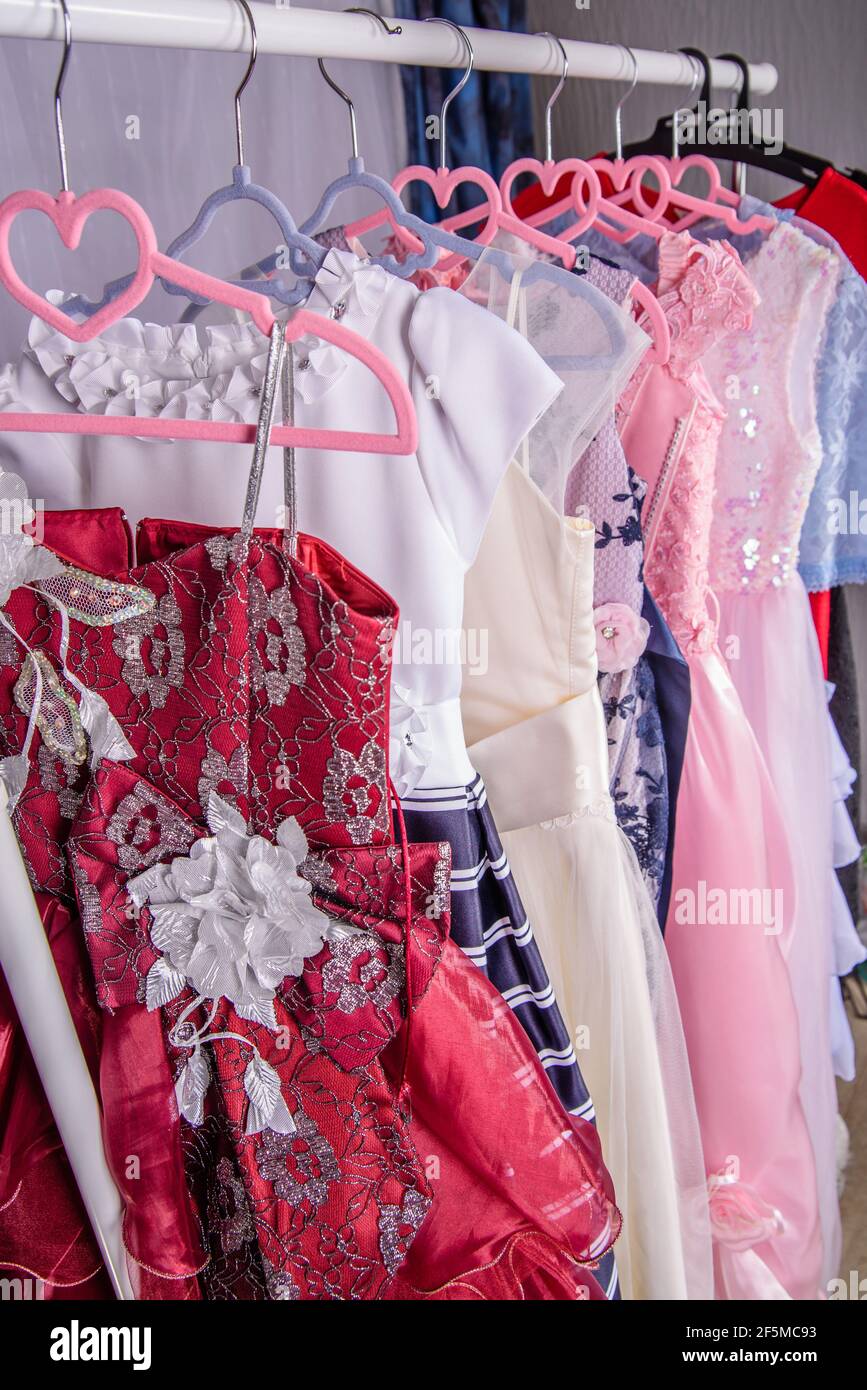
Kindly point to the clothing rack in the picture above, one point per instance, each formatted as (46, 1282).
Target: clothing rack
(220, 26)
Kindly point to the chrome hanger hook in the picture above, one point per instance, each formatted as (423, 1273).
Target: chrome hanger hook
(549, 144)
(58, 94)
(254, 53)
(344, 96)
(618, 110)
(459, 87)
(697, 75)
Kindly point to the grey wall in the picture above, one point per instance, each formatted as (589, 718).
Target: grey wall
(819, 47)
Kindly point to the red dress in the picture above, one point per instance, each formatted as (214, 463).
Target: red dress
(260, 1134)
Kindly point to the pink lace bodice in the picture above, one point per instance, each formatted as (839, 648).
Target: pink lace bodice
(770, 448)
(670, 423)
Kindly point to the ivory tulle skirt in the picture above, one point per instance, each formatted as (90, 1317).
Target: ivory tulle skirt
(775, 663)
(601, 943)
(730, 939)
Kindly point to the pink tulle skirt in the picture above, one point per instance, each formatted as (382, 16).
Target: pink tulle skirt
(775, 663)
(729, 935)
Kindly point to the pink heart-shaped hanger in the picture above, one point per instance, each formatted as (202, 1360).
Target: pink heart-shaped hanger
(585, 192)
(548, 174)
(715, 192)
(443, 183)
(69, 214)
(626, 176)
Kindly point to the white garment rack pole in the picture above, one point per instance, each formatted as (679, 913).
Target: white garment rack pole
(219, 26)
(28, 965)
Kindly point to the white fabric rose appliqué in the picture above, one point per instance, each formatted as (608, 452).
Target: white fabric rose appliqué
(233, 919)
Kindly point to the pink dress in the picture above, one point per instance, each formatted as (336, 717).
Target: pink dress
(769, 454)
(733, 894)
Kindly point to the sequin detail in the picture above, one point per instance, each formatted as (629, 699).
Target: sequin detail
(57, 719)
(770, 448)
(95, 601)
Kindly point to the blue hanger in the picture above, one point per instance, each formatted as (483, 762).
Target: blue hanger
(433, 237)
(358, 177)
(241, 187)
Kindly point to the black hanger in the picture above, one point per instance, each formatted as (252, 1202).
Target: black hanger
(789, 163)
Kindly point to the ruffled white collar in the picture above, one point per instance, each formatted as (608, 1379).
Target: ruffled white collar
(179, 372)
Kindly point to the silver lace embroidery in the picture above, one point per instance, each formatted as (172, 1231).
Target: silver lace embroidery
(230, 1214)
(88, 897)
(442, 882)
(280, 1156)
(144, 818)
(318, 872)
(161, 628)
(376, 982)
(348, 787)
(285, 656)
(62, 778)
(222, 549)
(281, 1286)
(216, 772)
(393, 1246)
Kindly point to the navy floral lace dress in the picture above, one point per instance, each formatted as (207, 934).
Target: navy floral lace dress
(643, 678)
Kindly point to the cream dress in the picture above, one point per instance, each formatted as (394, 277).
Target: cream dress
(535, 730)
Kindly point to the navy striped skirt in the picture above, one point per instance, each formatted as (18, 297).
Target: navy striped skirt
(490, 925)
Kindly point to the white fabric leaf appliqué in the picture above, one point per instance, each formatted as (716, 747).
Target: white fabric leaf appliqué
(14, 772)
(106, 737)
(163, 984)
(267, 1109)
(190, 1088)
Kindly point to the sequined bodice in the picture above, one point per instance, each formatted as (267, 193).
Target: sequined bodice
(671, 411)
(769, 447)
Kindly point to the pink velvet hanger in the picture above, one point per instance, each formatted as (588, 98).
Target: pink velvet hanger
(69, 214)
(627, 177)
(443, 181)
(586, 198)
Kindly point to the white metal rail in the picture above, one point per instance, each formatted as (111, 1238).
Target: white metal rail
(219, 25)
